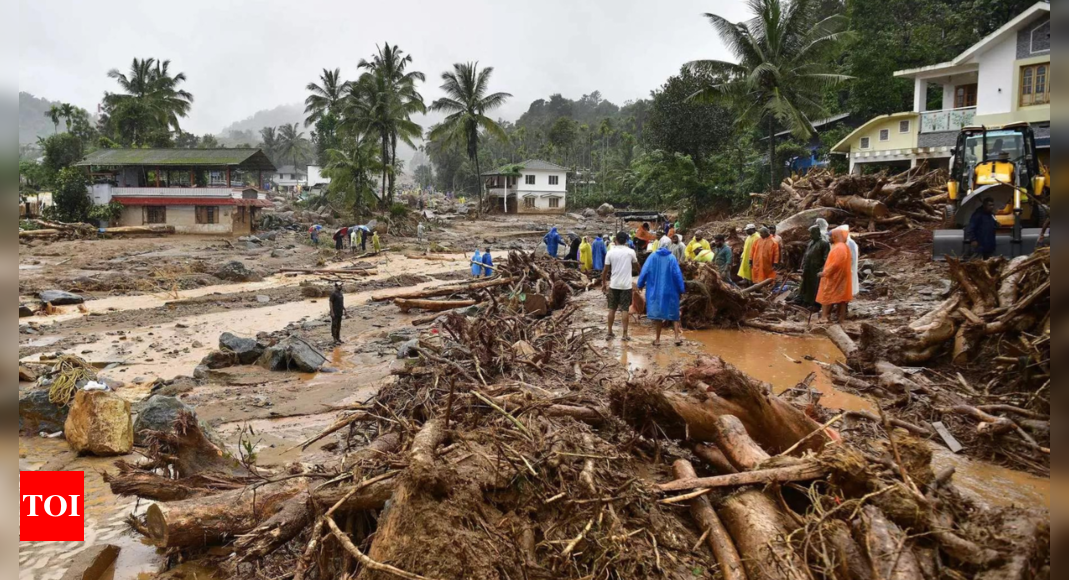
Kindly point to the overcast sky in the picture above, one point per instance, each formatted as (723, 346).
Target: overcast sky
(245, 56)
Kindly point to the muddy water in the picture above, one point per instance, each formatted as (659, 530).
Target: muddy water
(993, 484)
(105, 517)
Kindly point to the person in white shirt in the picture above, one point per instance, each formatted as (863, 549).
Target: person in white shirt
(616, 280)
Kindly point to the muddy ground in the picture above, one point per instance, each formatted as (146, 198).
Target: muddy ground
(155, 309)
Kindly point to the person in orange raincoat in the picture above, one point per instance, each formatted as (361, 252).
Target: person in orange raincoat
(766, 256)
(837, 279)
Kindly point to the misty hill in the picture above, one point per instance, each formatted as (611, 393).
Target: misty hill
(32, 121)
(280, 115)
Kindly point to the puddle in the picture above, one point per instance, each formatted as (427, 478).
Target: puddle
(105, 519)
(992, 484)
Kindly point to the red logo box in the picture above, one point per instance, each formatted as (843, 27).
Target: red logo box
(51, 506)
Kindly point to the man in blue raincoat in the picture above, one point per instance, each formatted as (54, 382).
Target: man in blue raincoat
(476, 264)
(599, 254)
(553, 241)
(488, 264)
(663, 281)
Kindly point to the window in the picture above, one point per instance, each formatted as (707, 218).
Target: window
(885, 134)
(965, 96)
(903, 127)
(554, 203)
(866, 142)
(155, 215)
(529, 179)
(528, 203)
(1035, 85)
(207, 215)
(554, 180)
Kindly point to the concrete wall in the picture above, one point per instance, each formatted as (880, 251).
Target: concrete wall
(541, 184)
(184, 219)
(996, 93)
(897, 139)
(541, 204)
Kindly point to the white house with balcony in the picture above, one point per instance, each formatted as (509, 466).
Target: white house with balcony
(533, 186)
(198, 191)
(1003, 79)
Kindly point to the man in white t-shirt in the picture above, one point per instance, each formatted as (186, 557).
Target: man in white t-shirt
(617, 279)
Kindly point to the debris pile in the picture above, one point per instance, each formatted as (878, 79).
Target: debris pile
(711, 303)
(509, 449)
(59, 230)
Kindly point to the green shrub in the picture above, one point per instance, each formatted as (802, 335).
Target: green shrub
(398, 210)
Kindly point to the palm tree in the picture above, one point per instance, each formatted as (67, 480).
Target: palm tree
(270, 142)
(292, 143)
(54, 113)
(466, 104)
(783, 69)
(389, 89)
(150, 87)
(68, 112)
(349, 170)
(325, 97)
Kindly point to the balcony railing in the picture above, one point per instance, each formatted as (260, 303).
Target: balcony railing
(947, 120)
(502, 191)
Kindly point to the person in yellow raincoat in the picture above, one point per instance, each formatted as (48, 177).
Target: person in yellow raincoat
(746, 271)
(376, 243)
(696, 246)
(586, 255)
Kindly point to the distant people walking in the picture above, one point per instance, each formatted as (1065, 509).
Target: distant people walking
(663, 281)
(420, 232)
(616, 280)
(313, 232)
(488, 264)
(339, 238)
(586, 256)
(553, 241)
(337, 312)
(476, 264)
(836, 281)
(376, 243)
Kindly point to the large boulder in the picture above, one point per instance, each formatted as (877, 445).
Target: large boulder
(292, 354)
(37, 414)
(25, 311)
(60, 298)
(589, 213)
(606, 210)
(100, 424)
(248, 350)
(235, 271)
(220, 359)
(159, 413)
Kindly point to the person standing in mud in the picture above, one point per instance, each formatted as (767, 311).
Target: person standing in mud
(337, 312)
(616, 281)
(816, 255)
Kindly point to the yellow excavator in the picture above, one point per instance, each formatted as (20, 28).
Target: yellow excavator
(1002, 164)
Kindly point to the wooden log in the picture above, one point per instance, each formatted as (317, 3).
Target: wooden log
(806, 471)
(37, 234)
(737, 446)
(374, 453)
(278, 530)
(848, 560)
(715, 458)
(431, 257)
(153, 487)
(153, 230)
(719, 540)
(448, 290)
(759, 530)
(216, 519)
(92, 563)
(861, 206)
(432, 305)
(842, 340)
(937, 199)
(887, 547)
(314, 272)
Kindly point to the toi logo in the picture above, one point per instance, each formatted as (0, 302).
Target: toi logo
(51, 506)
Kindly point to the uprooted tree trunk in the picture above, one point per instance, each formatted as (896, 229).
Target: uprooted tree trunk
(716, 388)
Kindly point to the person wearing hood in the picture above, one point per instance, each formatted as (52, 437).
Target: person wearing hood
(854, 260)
(746, 270)
(488, 263)
(816, 255)
(553, 241)
(677, 248)
(836, 280)
(476, 264)
(573, 248)
(586, 256)
(598, 251)
(420, 232)
(663, 281)
(765, 257)
(376, 243)
(339, 238)
(823, 225)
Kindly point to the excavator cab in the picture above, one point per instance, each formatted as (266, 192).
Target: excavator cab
(1001, 164)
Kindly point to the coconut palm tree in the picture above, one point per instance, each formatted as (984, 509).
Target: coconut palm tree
(152, 91)
(68, 112)
(783, 66)
(466, 105)
(325, 96)
(54, 113)
(292, 144)
(269, 142)
(350, 170)
(389, 89)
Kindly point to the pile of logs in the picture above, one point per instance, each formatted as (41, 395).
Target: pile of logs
(995, 326)
(711, 303)
(57, 230)
(510, 449)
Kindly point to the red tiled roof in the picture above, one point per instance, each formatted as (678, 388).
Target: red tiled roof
(161, 201)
